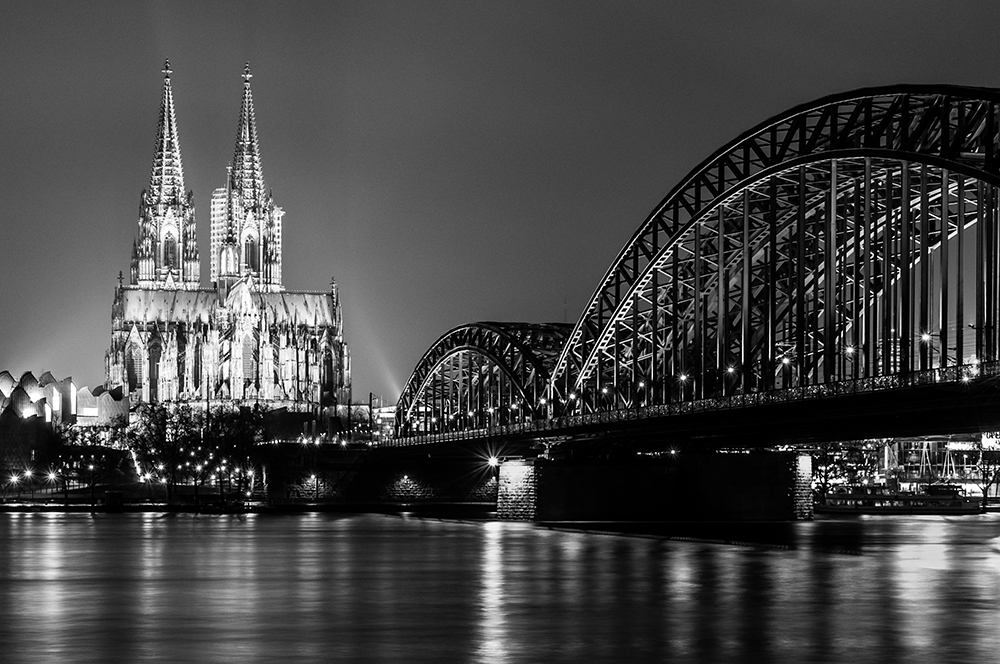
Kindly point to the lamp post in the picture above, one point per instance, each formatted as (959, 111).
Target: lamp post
(93, 501)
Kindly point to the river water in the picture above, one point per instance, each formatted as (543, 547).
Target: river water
(320, 587)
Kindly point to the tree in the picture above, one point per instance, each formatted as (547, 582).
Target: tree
(234, 435)
(88, 456)
(987, 468)
(849, 462)
(166, 440)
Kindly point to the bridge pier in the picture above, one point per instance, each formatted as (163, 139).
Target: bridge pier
(753, 486)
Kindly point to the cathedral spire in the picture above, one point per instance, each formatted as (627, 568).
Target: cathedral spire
(246, 224)
(246, 177)
(165, 252)
(166, 181)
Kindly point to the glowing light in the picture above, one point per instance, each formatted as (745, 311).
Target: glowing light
(673, 452)
(27, 474)
(849, 350)
(682, 377)
(52, 477)
(542, 401)
(494, 461)
(572, 396)
(731, 370)
(925, 337)
(604, 390)
(642, 384)
(785, 360)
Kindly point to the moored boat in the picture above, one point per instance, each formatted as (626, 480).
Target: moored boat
(931, 499)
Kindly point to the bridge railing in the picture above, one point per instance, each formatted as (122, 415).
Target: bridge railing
(955, 374)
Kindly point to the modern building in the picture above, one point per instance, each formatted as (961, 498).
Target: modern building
(244, 338)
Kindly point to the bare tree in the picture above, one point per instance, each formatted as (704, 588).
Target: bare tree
(851, 462)
(987, 469)
(165, 440)
(234, 435)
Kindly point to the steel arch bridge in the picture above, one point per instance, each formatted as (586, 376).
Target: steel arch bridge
(480, 376)
(850, 241)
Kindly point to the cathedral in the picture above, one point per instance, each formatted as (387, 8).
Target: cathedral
(245, 338)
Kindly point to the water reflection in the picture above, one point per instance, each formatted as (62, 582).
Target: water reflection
(149, 587)
(494, 638)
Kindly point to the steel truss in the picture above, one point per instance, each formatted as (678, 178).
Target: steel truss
(480, 376)
(839, 241)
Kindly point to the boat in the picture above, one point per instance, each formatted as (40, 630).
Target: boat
(931, 499)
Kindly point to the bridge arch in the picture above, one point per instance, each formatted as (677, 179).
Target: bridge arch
(480, 375)
(840, 240)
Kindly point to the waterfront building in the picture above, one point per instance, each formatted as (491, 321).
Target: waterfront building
(245, 338)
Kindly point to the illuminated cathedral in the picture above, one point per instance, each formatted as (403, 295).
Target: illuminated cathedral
(245, 338)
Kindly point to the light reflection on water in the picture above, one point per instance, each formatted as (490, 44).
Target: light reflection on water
(150, 587)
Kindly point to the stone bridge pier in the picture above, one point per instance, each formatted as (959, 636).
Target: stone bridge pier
(744, 486)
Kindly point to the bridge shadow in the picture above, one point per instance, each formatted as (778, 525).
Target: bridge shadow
(827, 535)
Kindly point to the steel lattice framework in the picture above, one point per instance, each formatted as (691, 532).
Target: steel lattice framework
(480, 375)
(853, 237)
(853, 240)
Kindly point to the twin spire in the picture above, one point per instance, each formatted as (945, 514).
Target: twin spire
(166, 182)
(246, 225)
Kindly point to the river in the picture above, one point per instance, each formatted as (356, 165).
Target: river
(320, 587)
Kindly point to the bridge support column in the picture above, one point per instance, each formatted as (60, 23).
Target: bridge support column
(516, 492)
(761, 486)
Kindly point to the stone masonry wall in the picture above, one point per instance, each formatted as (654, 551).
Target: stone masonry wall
(516, 494)
(801, 468)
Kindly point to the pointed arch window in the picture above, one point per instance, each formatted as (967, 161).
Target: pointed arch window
(134, 367)
(155, 352)
(169, 251)
(196, 370)
(181, 362)
(250, 255)
(249, 373)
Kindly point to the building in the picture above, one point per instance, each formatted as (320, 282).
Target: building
(244, 338)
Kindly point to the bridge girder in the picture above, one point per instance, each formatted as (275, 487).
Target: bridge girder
(828, 243)
(479, 375)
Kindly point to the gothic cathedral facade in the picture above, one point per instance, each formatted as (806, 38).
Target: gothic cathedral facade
(245, 338)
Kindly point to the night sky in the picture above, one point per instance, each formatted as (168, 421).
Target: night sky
(445, 162)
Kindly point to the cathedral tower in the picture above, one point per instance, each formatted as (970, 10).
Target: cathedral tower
(245, 339)
(165, 252)
(246, 224)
